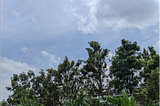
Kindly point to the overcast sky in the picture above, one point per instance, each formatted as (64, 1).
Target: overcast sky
(38, 34)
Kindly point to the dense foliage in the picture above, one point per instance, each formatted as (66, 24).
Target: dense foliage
(76, 83)
(125, 65)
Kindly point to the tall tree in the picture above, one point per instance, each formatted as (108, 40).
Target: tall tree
(150, 62)
(69, 79)
(125, 65)
(94, 70)
(53, 87)
(45, 88)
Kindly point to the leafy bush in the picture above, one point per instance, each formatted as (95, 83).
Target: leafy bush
(80, 100)
(25, 101)
(156, 103)
(113, 101)
(4, 103)
(128, 101)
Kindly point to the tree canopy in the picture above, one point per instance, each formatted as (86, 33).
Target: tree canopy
(125, 65)
(129, 66)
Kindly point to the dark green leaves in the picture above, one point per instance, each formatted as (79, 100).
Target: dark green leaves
(125, 63)
(95, 66)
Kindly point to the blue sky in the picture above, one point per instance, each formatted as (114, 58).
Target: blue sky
(38, 34)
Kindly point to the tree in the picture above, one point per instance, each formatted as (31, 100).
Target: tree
(148, 92)
(140, 95)
(45, 88)
(95, 67)
(69, 79)
(21, 86)
(153, 85)
(53, 87)
(150, 62)
(125, 65)
(29, 86)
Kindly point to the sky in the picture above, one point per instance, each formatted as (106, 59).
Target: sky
(38, 34)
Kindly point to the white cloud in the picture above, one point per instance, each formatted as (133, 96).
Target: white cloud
(4, 92)
(8, 68)
(156, 46)
(52, 58)
(110, 55)
(156, 30)
(15, 13)
(117, 14)
(24, 49)
(34, 20)
(71, 0)
(81, 66)
(14, 67)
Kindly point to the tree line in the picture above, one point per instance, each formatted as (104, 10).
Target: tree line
(129, 68)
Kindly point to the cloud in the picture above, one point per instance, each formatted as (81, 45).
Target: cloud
(4, 92)
(156, 46)
(34, 20)
(156, 30)
(52, 58)
(117, 14)
(24, 49)
(14, 67)
(15, 13)
(71, 0)
(110, 55)
(8, 68)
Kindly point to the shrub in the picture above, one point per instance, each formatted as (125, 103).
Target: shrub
(113, 101)
(25, 101)
(80, 100)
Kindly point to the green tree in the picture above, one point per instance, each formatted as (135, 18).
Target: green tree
(125, 65)
(153, 84)
(45, 88)
(53, 87)
(148, 92)
(19, 85)
(150, 62)
(69, 79)
(94, 70)
(141, 95)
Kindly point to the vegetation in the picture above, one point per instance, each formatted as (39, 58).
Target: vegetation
(149, 92)
(95, 68)
(80, 100)
(125, 65)
(76, 83)
(120, 101)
